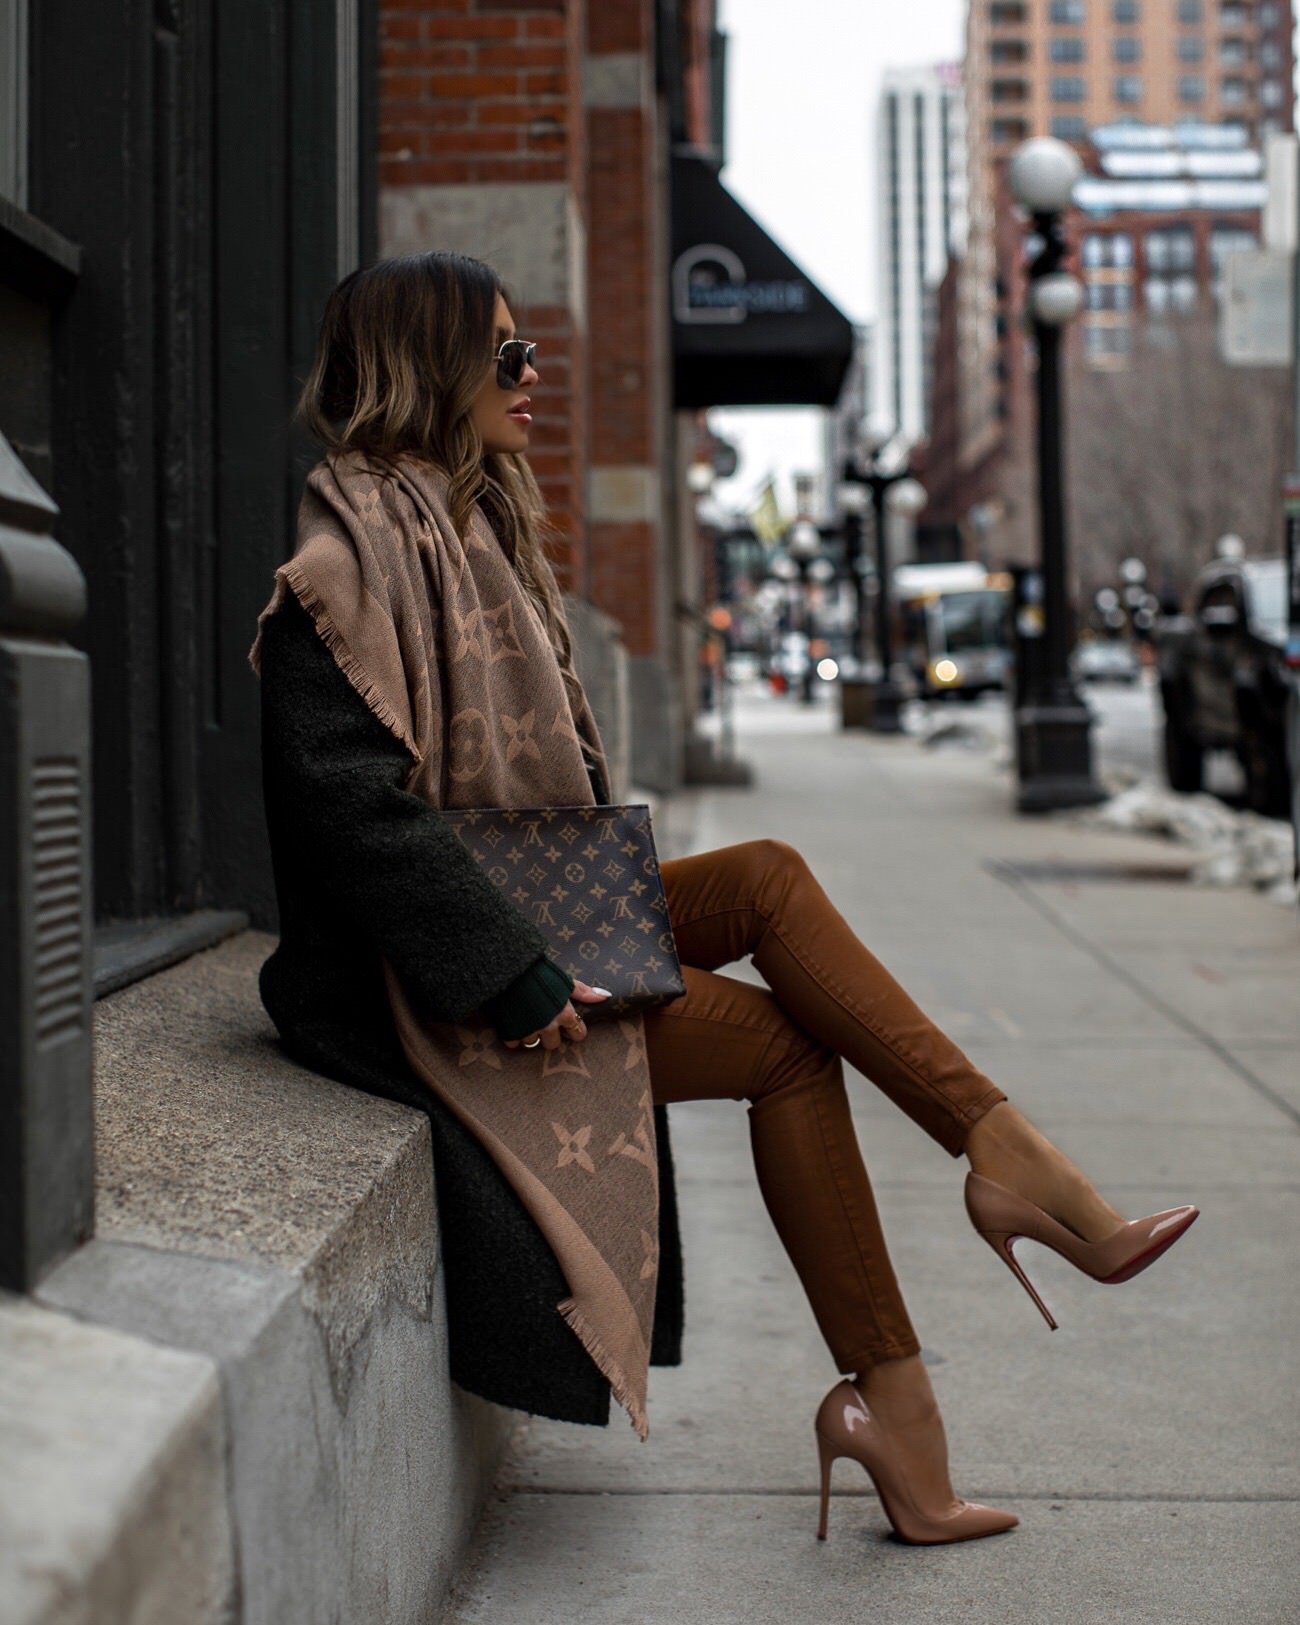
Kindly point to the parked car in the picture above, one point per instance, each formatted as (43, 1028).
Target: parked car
(1106, 660)
(1223, 680)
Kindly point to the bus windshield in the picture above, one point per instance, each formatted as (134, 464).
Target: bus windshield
(973, 620)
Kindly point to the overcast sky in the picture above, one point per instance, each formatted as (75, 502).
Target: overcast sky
(802, 83)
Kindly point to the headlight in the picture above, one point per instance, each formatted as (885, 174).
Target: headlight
(945, 671)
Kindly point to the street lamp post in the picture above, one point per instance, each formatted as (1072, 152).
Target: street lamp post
(804, 545)
(1053, 747)
(894, 489)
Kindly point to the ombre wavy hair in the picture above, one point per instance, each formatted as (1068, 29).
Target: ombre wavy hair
(404, 348)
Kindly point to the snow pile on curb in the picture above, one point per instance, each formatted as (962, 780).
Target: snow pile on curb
(1240, 848)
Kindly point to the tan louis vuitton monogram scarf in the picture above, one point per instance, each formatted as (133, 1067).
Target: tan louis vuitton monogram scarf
(437, 635)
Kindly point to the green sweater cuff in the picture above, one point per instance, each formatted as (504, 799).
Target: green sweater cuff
(530, 1002)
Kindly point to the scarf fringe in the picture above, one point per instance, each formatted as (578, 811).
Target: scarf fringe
(291, 575)
(612, 1372)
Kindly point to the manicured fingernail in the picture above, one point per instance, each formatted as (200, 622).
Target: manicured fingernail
(603, 991)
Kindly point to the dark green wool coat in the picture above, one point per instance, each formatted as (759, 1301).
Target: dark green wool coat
(365, 871)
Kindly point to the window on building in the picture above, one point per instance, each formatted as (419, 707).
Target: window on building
(1190, 48)
(1155, 295)
(1101, 249)
(1124, 11)
(1070, 127)
(1270, 54)
(1234, 92)
(1065, 11)
(1270, 93)
(1270, 15)
(1189, 11)
(1067, 88)
(1002, 12)
(1172, 248)
(1191, 87)
(1233, 53)
(1126, 48)
(1106, 341)
(1127, 88)
(1109, 296)
(1005, 51)
(1008, 90)
(1066, 48)
(1009, 129)
(1232, 14)
(1182, 295)
(13, 101)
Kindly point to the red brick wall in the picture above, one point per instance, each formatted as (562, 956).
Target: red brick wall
(476, 92)
(627, 372)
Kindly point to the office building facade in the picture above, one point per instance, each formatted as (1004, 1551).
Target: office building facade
(920, 223)
(1168, 71)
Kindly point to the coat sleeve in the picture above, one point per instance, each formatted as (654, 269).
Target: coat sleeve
(387, 862)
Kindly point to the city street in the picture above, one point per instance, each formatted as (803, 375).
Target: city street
(1151, 1445)
(1126, 736)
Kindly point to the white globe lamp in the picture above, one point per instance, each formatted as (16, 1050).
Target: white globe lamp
(1043, 173)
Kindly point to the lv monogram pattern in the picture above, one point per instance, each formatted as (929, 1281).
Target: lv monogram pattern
(588, 879)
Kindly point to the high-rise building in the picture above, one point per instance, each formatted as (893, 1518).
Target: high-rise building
(1062, 67)
(921, 221)
(1159, 213)
(1067, 68)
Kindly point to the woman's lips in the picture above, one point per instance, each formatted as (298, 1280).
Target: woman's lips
(519, 412)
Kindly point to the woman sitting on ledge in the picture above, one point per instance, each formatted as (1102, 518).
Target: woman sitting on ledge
(415, 659)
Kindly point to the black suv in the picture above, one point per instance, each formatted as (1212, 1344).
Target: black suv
(1223, 681)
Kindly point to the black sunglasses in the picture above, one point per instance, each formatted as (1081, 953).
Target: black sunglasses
(511, 359)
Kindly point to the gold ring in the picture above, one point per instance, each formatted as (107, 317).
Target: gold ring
(531, 1043)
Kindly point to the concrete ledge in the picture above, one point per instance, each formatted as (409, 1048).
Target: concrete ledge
(113, 1501)
(279, 1229)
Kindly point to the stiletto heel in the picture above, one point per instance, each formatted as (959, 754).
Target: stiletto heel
(1003, 1218)
(845, 1427)
(1006, 1245)
(826, 1453)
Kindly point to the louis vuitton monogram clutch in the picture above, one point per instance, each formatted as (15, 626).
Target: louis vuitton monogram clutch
(588, 878)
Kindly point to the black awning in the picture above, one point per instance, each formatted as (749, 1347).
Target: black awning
(749, 327)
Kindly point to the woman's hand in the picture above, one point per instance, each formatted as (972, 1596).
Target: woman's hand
(568, 1024)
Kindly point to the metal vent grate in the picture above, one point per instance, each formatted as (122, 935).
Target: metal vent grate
(59, 874)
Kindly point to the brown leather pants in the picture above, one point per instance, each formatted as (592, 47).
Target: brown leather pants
(781, 1050)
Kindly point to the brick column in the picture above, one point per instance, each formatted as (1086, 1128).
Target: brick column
(631, 525)
(482, 151)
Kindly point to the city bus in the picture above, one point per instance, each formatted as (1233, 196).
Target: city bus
(955, 627)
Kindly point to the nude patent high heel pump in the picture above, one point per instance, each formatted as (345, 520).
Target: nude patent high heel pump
(1003, 1218)
(846, 1427)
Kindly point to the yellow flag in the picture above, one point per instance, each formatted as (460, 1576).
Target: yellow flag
(765, 517)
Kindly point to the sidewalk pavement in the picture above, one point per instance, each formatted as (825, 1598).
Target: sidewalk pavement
(1152, 1445)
